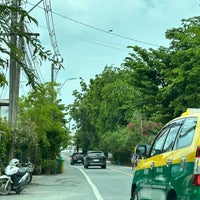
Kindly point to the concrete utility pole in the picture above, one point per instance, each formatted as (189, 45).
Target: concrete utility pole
(54, 70)
(14, 79)
(17, 41)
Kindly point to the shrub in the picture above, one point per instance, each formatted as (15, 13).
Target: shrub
(49, 166)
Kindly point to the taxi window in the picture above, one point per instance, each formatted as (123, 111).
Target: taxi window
(174, 129)
(186, 134)
(158, 143)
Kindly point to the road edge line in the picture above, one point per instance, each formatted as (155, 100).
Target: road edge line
(94, 188)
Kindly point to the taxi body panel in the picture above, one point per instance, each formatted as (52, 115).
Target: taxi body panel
(167, 171)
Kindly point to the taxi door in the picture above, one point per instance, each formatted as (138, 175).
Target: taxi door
(162, 162)
(143, 177)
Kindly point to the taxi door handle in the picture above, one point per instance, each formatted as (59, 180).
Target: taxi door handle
(152, 165)
(169, 162)
(182, 163)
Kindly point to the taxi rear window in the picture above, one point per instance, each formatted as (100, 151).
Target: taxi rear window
(177, 135)
(186, 133)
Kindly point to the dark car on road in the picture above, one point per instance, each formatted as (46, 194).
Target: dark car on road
(76, 158)
(95, 158)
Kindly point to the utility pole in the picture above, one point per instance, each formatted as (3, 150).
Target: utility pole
(54, 71)
(14, 80)
(17, 40)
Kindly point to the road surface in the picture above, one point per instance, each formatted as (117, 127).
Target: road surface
(77, 183)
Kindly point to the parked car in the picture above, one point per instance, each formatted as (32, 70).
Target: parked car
(170, 168)
(95, 158)
(76, 158)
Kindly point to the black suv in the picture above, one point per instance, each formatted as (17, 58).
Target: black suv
(76, 158)
(95, 158)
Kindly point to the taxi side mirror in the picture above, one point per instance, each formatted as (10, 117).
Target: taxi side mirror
(141, 150)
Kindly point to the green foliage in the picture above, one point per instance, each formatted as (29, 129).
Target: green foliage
(42, 124)
(10, 27)
(122, 142)
(184, 66)
(147, 76)
(167, 78)
(104, 105)
(125, 106)
(4, 142)
(50, 166)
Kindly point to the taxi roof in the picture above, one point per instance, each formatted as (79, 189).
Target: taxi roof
(190, 111)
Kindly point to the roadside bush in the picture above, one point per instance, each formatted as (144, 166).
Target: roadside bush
(49, 166)
(122, 158)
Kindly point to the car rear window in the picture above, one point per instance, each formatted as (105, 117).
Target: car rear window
(95, 153)
(186, 133)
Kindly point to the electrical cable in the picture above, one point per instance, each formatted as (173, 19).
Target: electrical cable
(100, 43)
(51, 29)
(107, 32)
(30, 60)
(95, 41)
(101, 30)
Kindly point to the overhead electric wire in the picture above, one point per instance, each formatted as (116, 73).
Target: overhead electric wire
(95, 41)
(30, 60)
(22, 88)
(35, 6)
(31, 64)
(105, 31)
(51, 29)
(102, 30)
(99, 42)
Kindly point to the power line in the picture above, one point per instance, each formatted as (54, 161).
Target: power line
(30, 60)
(110, 32)
(35, 6)
(105, 31)
(95, 41)
(51, 29)
(100, 43)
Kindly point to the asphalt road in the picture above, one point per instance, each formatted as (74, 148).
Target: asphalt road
(77, 183)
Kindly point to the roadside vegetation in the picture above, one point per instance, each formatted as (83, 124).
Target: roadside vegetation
(119, 108)
(41, 128)
(125, 106)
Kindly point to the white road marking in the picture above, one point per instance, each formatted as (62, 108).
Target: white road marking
(94, 188)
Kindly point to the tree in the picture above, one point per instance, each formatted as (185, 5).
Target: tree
(157, 83)
(14, 38)
(85, 135)
(167, 78)
(147, 71)
(8, 48)
(184, 66)
(5, 132)
(105, 105)
(42, 123)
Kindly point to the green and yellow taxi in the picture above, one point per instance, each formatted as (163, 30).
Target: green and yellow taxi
(170, 168)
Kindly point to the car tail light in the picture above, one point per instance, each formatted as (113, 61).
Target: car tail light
(196, 178)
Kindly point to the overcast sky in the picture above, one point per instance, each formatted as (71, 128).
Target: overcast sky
(94, 33)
